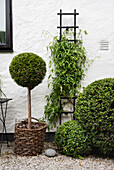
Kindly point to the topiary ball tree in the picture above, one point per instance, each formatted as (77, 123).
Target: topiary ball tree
(95, 112)
(28, 70)
(72, 139)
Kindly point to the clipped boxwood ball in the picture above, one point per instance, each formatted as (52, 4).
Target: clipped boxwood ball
(95, 112)
(27, 69)
(72, 140)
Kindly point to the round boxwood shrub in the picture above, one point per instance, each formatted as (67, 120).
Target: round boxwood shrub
(95, 113)
(72, 140)
(27, 69)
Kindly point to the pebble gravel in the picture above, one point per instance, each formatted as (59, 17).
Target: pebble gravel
(10, 161)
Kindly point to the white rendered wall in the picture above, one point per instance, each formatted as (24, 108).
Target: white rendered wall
(30, 18)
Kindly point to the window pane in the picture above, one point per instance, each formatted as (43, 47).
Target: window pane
(2, 22)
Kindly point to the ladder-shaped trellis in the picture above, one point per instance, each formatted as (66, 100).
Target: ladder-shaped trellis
(74, 40)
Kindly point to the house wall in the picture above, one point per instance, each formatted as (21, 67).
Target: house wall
(30, 18)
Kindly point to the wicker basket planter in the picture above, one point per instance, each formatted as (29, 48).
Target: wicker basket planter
(29, 142)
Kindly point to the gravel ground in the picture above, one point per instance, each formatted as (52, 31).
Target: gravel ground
(9, 161)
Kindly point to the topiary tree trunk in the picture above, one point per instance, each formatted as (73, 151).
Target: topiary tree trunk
(29, 108)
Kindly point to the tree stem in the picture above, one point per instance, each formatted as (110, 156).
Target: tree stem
(29, 108)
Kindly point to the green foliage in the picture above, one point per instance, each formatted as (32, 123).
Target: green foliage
(72, 140)
(67, 64)
(95, 113)
(2, 37)
(27, 69)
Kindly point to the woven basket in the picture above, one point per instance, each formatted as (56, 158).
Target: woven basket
(29, 141)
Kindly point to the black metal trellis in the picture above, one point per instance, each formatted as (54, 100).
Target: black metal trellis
(67, 27)
(74, 40)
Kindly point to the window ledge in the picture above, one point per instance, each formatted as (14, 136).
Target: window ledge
(6, 50)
